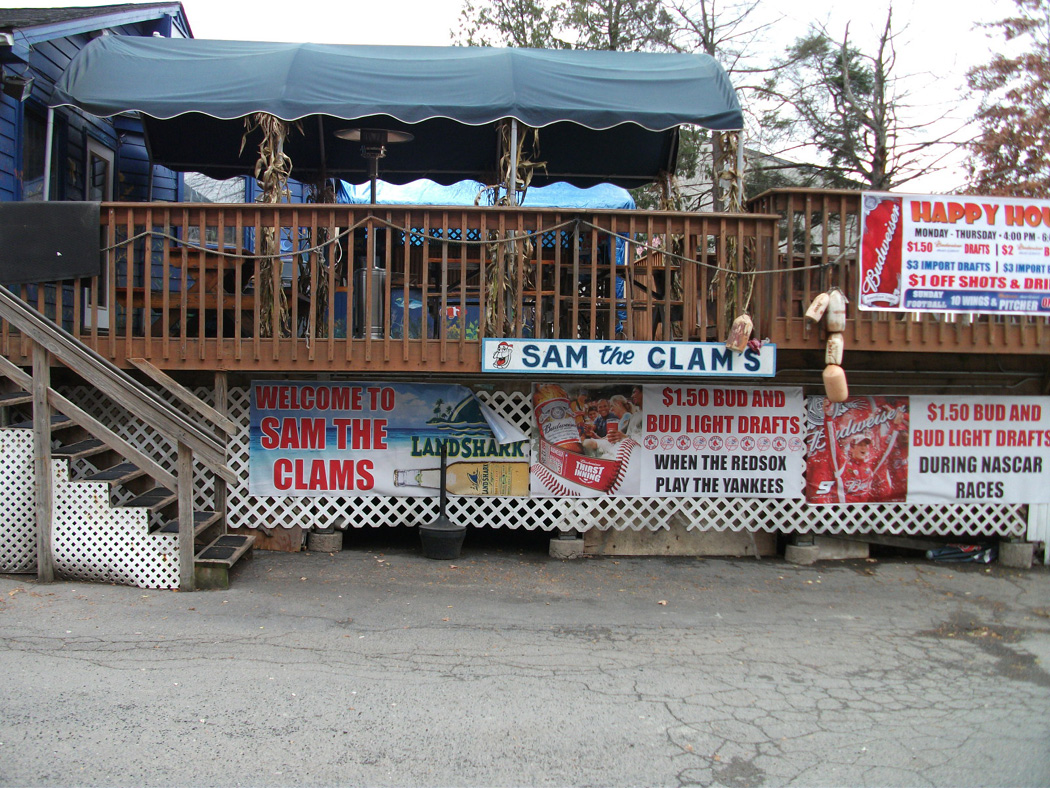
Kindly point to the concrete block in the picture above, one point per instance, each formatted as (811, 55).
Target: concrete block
(802, 554)
(566, 548)
(325, 543)
(1016, 555)
(679, 540)
(832, 549)
(825, 548)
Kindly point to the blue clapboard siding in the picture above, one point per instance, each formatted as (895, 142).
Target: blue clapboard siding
(48, 58)
(52, 48)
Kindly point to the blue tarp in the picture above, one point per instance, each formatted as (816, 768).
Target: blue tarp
(425, 192)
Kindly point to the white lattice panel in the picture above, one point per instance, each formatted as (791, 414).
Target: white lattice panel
(715, 514)
(93, 540)
(18, 523)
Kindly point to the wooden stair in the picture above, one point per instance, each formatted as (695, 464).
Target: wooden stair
(213, 564)
(216, 553)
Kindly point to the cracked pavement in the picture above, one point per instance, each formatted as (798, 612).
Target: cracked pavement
(376, 666)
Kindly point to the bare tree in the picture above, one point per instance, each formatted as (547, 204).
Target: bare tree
(1012, 154)
(851, 107)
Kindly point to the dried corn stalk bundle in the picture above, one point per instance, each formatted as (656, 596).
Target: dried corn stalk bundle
(508, 255)
(272, 170)
(327, 256)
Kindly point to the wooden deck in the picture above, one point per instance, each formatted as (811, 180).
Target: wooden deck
(180, 284)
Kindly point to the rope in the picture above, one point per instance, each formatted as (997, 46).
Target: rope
(411, 232)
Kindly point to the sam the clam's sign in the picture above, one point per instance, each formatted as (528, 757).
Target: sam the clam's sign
(604, 357)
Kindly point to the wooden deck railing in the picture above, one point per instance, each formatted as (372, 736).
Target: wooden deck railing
(403, 287)
(414, 288)
(819, 233)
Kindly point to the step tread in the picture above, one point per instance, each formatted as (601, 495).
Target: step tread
(117, 474)
(227, 549)
(201, 521)
(15, 398)
(157, 498)
(58, 422)
(84, 448)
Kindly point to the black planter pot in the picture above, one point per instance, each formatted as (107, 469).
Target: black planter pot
(441, 539)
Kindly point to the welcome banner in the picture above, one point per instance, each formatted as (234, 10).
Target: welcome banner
(379, 439)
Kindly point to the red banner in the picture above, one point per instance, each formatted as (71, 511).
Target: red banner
(858, 450)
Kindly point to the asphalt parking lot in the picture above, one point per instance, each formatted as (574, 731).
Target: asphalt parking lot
(376, 666)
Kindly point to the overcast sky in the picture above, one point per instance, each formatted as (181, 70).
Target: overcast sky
(939, 41)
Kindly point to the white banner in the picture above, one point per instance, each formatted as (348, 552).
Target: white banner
(928, 449)
(936, 253)
(668, 441)
(988, 449)
(716, 441)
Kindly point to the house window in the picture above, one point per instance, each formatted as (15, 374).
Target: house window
(34, 143)
(98, 187)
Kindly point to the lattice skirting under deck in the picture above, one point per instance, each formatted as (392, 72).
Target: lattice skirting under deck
(106, 552)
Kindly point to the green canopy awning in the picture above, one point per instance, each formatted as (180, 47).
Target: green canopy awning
(604, 116)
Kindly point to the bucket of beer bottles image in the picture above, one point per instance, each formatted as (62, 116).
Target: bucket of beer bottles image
(441, 539)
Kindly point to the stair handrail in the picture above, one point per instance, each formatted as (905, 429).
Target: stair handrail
(115, 383)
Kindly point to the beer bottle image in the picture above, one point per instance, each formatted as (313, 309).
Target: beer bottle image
(554, 417)
(470, 478)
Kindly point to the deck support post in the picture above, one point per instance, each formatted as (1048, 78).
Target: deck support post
(184, 477)
(45, 562)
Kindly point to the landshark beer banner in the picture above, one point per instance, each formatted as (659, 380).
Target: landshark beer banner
(378, 439)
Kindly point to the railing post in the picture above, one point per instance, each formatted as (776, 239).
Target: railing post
(45, 563)
(221, 399)
(184, 480)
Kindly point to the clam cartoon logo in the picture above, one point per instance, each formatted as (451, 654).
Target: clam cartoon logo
(501, 356)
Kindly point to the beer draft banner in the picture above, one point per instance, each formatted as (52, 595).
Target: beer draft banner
(928, 449)
(668, 441)
(379, 439)
(929, 253)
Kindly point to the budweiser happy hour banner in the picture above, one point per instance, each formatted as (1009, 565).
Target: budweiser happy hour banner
(379, 439)
(928, 449)
(668, 441)
(930, 253)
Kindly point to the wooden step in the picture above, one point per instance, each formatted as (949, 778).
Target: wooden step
(154, 499)
(80, 449)
(118, 474)
(58, 422)
(201, 522)
(212, 565)
(15, 398)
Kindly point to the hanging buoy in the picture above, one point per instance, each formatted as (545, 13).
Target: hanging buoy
(817, 308)
(833, 349)
(739, 334)
(835, 317)
(835, 387)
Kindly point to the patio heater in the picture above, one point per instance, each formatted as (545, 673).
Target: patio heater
(373, 147)
(368, 317)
